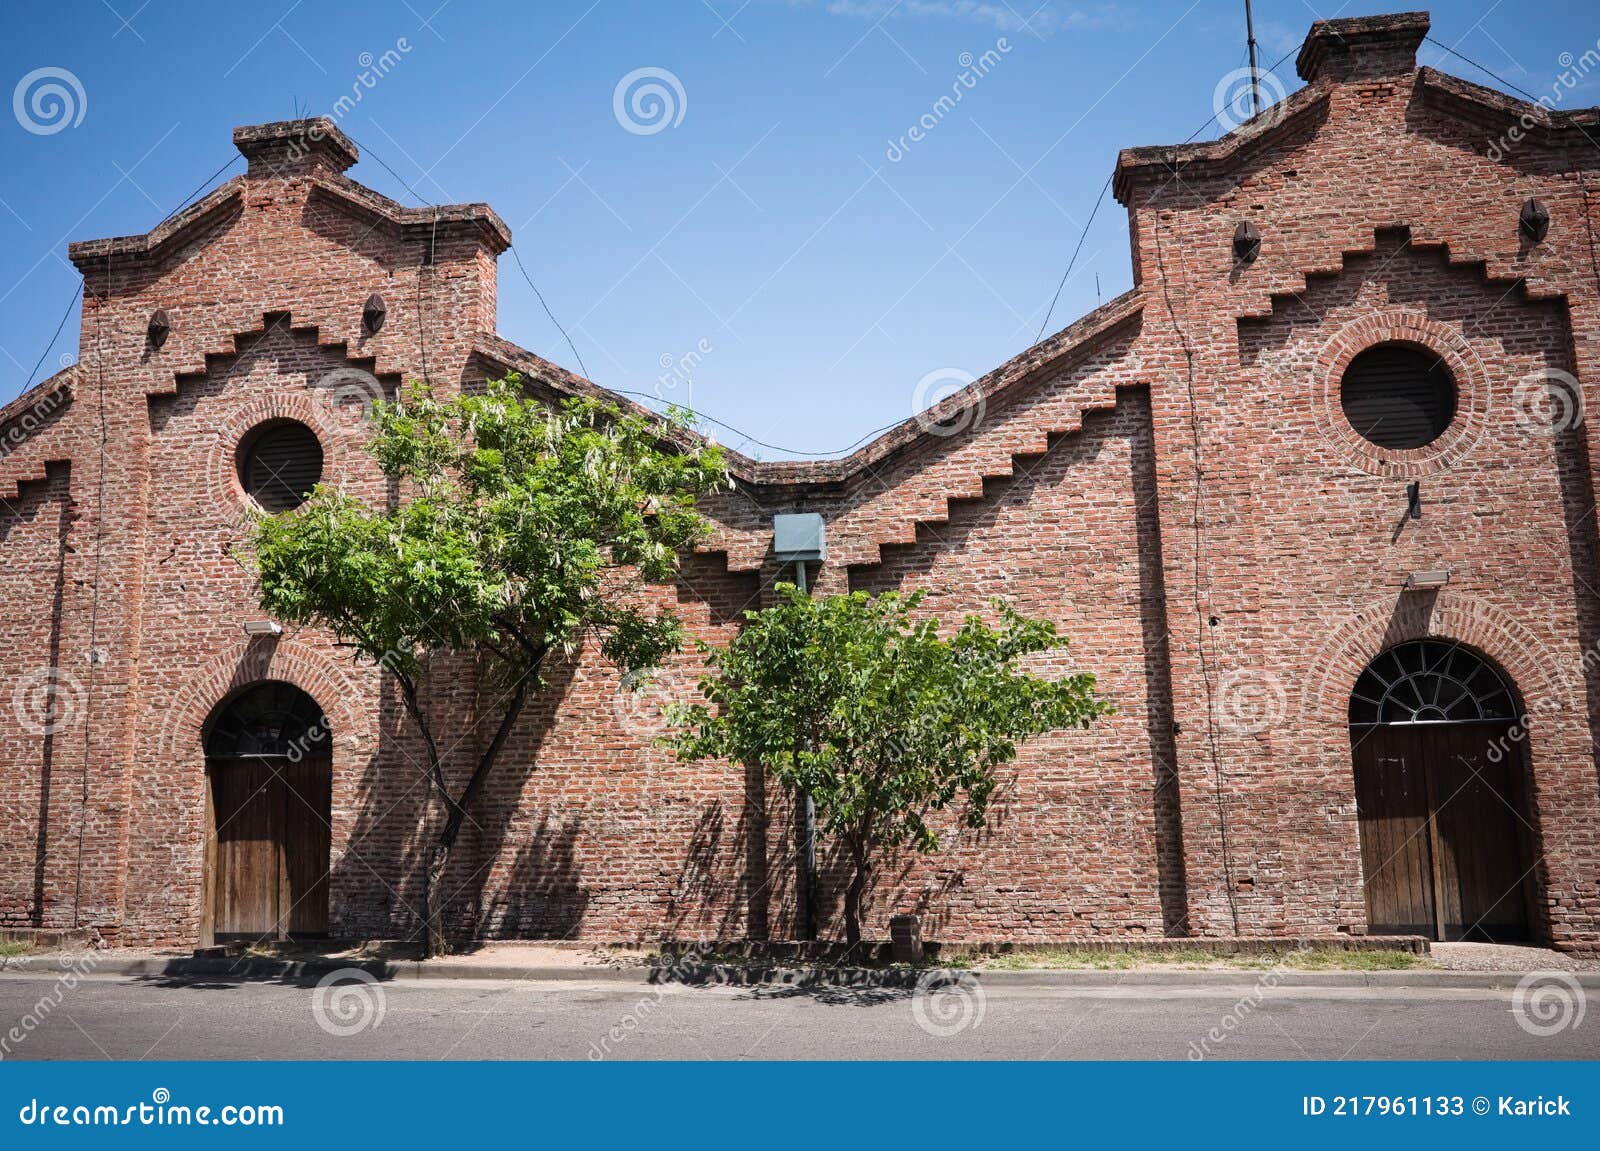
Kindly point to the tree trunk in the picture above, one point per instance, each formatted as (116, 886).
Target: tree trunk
(434, 941)
(852, 899)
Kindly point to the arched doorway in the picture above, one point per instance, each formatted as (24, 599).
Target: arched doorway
(269, 772)
(1440, 791)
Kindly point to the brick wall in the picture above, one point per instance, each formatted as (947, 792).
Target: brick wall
(1170, 479)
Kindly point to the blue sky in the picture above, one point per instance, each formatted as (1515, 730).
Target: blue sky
(809, 272)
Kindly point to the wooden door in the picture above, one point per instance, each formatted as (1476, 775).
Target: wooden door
(307, 800)
(1477, 833)
(270, 858)
(1441, 833)
(1396, 849)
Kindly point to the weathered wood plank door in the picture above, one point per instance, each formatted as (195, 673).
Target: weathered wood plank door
(307, 840)
(1478, 834)
(1441, 839)
(270, 860)
(1396, 849)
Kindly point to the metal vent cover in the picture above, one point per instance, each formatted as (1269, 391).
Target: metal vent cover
(1398, 396)
(282, 463)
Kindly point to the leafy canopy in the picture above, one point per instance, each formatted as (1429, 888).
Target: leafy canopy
(858, 702)
(517, 530)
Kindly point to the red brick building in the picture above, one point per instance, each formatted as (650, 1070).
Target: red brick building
(1315, 499)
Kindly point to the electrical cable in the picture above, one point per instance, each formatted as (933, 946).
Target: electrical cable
(382, 163)
(748, 438)
(94, 610)
(76, 292)
(1481, 68)
(1084, 235)
(1199, 578)
(540, 297)
(517, 257)
(234, 159)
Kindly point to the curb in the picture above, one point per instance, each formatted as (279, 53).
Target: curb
(727, 975)
(309, 970)
(1421, 980)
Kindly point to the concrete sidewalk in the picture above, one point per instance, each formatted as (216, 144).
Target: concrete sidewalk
(100, 965)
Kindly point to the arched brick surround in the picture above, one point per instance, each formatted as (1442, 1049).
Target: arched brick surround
(178, 748)
(319, 676)
(1550, 701)
(1473, 384)
(1354, 642)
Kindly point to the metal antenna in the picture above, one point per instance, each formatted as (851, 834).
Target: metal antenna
(1255, 76)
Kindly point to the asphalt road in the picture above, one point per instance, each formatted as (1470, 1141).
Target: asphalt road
(116, 1018)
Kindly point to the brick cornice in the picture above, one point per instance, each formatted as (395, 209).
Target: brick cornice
(49, 396)
(1476, 104)
(331, 187)
(1078, 339)
(1374, 40)
(1214, 157)
(88, 254)
(1463, 99)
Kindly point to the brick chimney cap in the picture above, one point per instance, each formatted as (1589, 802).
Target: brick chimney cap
(318, 135)
(1359, 35)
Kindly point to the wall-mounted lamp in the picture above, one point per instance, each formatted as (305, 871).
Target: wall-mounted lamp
(1534, 220)
(1246, 242)
(263, 627)
(1428, 580)
(1414, 499)
(158, 329)
(373, 313)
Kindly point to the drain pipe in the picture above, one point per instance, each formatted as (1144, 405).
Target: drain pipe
(808, 814)
(799, 538)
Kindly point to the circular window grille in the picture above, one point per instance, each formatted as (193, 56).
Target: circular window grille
(1430, 681)
(1398, 396)
(279, 463)
(270, 719)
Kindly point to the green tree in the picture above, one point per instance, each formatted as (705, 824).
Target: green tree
(522, 529)
(860, 703)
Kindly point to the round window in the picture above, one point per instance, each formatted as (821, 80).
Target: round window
(279, 463)
(1398, 395)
